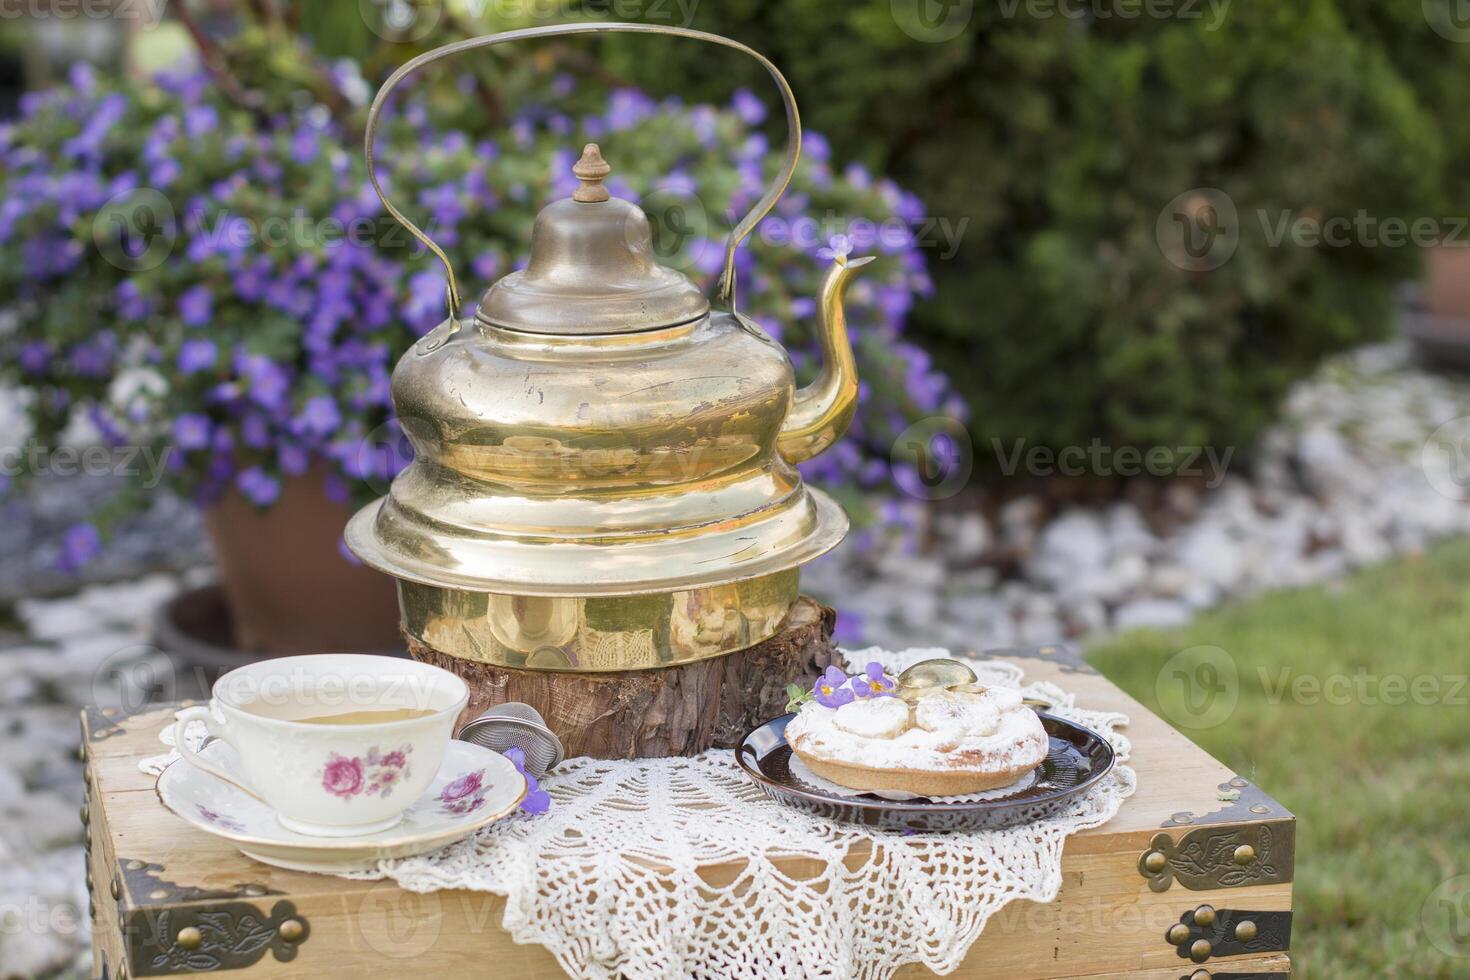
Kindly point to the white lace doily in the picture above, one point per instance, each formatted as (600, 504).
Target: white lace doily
(609, 880)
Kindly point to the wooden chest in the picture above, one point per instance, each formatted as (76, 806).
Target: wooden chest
(1191, 880)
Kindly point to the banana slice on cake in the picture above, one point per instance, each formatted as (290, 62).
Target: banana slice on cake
(959, 715)
(873, 718)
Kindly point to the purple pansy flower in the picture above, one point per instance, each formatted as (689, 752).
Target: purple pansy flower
(200, 119)
(831, 689)
(872, 682)
(320, 416)
(192, 431)
(305, 145)
(748, 107)
(196, 306)
(197, 355)
(258, 486)
(838, 247)
(79, 545)
(35, 357)
(536, 800)
(294, 460)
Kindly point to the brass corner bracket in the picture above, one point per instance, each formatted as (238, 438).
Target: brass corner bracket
(170, 929)
(1207, 932)
(1221, 857)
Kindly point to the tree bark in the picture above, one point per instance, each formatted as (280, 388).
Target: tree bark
(667, 711)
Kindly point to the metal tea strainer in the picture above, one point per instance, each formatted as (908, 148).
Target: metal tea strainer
(518, 724)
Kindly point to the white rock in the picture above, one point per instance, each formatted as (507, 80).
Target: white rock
(1232, 504)
(1126, 575)
(46, 901)
(1022, 514)
(974, 610)
(1085, 617)
(1152, 613)
(1073, 543)
(1040, 630)
(919, 608)
(1362, 544)
(41, 821)
(917, 571)
(1210, 552)
(964, 537)
(1128, 533)
(973, 580)
(12, 789)
(1019, 521)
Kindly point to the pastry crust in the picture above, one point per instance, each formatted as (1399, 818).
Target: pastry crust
(922, 782)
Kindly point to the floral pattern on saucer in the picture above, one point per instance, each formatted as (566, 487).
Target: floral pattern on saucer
(220, 820)
(375, 774)
(465, 794)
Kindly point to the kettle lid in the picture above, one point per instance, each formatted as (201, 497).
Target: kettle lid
(592, 270)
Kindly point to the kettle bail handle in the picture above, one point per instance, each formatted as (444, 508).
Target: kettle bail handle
(738, 235)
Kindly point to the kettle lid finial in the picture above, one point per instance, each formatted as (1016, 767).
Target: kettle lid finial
(593, 270)
(591, 170)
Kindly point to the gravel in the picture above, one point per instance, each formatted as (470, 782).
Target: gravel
(1370, 459)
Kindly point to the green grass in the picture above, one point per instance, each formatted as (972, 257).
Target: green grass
(1381, 791)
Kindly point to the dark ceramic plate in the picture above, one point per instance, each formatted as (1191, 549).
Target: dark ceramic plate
(1077, 759)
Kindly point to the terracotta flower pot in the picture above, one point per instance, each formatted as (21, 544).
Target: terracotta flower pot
(290, 589)
(1438, 322)
(1447, 281)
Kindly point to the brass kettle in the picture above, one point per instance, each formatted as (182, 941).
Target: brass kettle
(604, 468)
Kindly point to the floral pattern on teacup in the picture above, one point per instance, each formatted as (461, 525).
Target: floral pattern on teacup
(465, 794)
(220, 820)
(373, 774)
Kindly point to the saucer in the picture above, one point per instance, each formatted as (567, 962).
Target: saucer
(1076, 759)
(474, 787)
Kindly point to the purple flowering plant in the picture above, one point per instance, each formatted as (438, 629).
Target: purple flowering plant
(212, 276)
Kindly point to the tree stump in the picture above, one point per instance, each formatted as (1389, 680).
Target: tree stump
(665, 711)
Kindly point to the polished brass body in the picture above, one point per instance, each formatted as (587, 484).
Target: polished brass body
(632, 632)
(604, 473)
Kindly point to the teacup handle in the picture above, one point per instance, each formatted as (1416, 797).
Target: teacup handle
(188, 754)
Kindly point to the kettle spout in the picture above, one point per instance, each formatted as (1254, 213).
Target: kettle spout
(823, 409)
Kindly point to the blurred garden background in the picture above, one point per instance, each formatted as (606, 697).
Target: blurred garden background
(1162, 351)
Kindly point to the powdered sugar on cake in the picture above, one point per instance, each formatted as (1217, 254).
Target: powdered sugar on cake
(992, 729)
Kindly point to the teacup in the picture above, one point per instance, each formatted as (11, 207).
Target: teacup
(339, 745)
